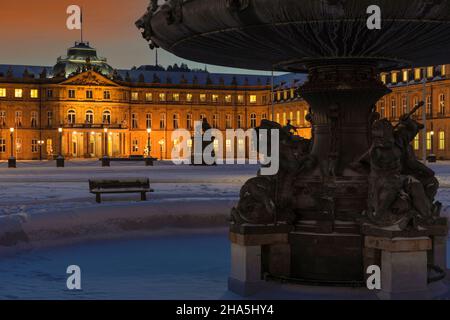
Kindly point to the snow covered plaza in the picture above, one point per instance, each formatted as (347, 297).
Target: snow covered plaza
(127, 249)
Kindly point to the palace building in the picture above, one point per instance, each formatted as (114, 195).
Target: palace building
(84, 108)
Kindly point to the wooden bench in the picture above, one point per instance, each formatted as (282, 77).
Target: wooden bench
(126, 185)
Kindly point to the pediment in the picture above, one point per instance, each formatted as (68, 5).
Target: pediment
(89, 78)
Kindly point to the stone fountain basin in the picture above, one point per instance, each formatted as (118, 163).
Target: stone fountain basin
(286, 34)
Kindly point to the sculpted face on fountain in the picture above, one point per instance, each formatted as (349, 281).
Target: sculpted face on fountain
(289, 34)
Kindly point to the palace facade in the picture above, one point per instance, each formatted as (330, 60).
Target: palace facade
(84, 108)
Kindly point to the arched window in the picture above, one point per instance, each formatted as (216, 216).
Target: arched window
(71, 116)
(106, 117)
(89, 117)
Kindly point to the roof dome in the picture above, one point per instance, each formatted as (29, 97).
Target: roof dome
(80, 57)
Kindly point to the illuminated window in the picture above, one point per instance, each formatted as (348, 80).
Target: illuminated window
(107, 95)
(215, 98)
(18, 93)
(405, 75)
(298, 117)
(34, 94)
(253, 120)
(441, 140)
(228, 145)
(2, 92)
(429, 136)
(264, 116)
(284, 118)
(203, 97)
(252, 98)
(394, 77)
(176, 97)
(162, 97)
(19, 145)
(383, 78)
(241, 145)
(292, 93)
(2, 145)
(430, 72)
(228, 121)
(240, 98)
(417, 74)
(443, 71)
(89, 94)
(428, 105)
(149, 96)
(135, 96)
(416, 142)
(49, 146)
(278, 118)
(228, 98)
(135, 145)
(189, 97)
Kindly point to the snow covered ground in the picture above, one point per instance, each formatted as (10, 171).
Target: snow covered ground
(51, 205)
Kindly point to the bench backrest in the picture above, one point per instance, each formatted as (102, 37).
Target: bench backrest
(119, 183)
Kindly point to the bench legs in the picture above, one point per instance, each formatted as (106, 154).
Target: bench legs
(98, 198)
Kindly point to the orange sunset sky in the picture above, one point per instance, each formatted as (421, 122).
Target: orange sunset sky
(34, 33)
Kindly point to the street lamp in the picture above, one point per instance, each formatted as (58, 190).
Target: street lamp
(12, 159)
(105, 159)
(40, 143)
(149, 160)
(161, 144)
(60, 158)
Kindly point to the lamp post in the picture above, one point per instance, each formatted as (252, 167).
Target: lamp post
(161, 144)
(12, 159)
(40, 143)
(149, 159)
(60, 158)
(105, 159)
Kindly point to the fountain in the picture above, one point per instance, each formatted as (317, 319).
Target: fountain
(357, 196)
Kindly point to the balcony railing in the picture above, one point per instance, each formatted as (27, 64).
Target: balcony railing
(94, 126)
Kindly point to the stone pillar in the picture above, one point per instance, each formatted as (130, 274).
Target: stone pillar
(403, 266)
(255, 253)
